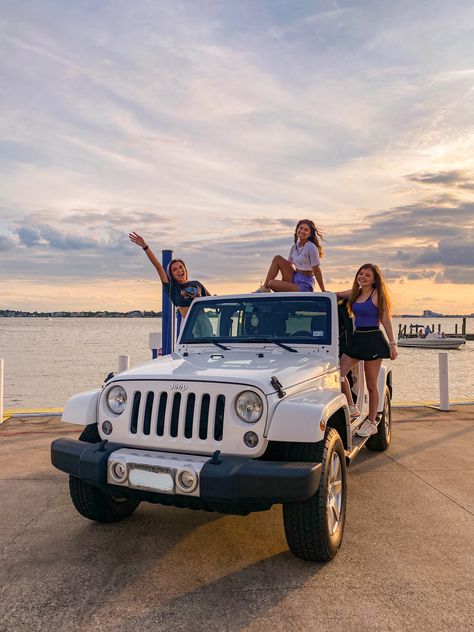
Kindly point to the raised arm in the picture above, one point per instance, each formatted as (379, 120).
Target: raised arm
(319, 277)
(138, 239)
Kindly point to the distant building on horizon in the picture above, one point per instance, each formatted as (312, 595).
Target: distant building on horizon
(427, 313)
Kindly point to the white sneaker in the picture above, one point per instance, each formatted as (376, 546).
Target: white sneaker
(367, 429)
(354, 412)
(262, 288)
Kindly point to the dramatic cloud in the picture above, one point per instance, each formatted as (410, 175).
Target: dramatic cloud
(456, 178)
(28, 236)
(5, 243)
(457, 275)
(457, 252)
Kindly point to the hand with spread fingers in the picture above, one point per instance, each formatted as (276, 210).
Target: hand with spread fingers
(137, 239)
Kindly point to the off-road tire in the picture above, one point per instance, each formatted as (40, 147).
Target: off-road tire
(307, 523)
(380, 441)
(90, 501)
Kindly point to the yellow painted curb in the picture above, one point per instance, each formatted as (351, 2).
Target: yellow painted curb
(29, 412)
(26, 411)
(456, 402)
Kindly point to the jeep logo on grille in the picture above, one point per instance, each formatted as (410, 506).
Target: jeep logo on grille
(177, 387)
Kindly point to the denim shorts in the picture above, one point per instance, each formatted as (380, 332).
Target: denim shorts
(303, 282)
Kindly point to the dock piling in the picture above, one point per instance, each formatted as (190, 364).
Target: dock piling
(155, 345)
(123, 363)
(443, 381)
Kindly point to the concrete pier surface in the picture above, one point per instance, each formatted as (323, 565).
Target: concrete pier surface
(406, 563)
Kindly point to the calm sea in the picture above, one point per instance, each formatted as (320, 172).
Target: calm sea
(48, 360)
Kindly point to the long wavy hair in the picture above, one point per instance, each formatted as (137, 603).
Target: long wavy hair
(315, 236)
(384, 300)
(168, 270)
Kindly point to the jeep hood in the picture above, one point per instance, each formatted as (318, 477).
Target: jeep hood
(239, 367)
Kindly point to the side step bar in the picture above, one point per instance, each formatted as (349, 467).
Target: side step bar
(358, 442)
(357, 445)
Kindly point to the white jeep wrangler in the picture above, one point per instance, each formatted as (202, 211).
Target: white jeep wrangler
(246, 413)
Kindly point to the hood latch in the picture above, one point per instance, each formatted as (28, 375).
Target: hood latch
(277, 386)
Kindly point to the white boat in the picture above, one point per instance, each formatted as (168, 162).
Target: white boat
(432, 341)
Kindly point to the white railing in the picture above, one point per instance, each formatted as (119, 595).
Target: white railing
(124, 363)
(1, 390)
(443, 381)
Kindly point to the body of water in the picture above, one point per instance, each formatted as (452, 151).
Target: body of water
(48, 360)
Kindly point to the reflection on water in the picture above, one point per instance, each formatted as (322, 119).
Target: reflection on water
(48, 360)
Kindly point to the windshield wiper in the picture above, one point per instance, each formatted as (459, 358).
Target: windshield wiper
(275, 342)
(218, 344)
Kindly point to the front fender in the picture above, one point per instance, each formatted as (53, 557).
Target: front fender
(297, 418)
(82, 408)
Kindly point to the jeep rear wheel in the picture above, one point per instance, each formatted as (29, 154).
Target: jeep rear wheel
(90, 501)
(380, 441)
(314, 527)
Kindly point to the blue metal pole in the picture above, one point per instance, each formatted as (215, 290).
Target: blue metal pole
(179, 318)
(167, 322)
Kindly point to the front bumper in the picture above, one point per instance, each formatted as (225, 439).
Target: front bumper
(226, 479)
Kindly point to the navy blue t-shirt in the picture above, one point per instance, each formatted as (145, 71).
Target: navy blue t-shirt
(183, 294)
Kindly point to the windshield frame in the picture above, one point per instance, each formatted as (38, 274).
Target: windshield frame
(294, 297)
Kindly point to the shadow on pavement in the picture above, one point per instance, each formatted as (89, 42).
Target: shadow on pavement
(163, 568)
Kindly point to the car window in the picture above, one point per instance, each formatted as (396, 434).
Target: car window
(288, 319)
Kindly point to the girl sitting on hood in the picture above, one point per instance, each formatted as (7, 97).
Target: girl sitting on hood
(175, 280)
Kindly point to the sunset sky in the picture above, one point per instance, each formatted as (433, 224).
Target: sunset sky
(211, 127)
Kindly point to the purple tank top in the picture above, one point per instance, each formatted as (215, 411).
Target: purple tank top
(366, 314)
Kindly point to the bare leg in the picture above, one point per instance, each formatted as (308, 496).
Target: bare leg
(279, 264)
(283, 286)
(371, 370)
(346, 365)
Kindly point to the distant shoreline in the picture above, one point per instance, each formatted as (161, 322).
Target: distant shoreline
(12, 313)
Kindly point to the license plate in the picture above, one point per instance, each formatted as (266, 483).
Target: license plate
(157, 479)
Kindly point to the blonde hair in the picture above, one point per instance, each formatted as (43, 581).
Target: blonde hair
(384, 300)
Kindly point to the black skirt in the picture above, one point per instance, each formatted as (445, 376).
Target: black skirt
(368, 343)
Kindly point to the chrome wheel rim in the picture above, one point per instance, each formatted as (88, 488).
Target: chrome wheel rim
(334, 494)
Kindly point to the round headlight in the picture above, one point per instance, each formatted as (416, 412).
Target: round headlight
(249, 406)
(117, 399)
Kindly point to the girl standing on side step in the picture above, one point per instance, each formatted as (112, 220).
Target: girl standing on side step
(175, 280)
(369, 304)
(301, 270)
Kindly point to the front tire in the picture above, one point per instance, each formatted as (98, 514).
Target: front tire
(381, 441)
(90, 501)
(314, 527)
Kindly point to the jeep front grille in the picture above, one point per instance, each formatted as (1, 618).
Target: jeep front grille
(175, 414)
